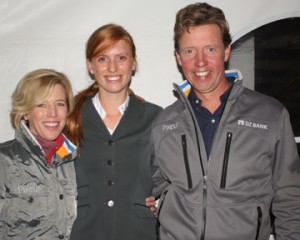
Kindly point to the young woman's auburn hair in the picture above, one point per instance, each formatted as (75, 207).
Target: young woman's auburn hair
(100, 40)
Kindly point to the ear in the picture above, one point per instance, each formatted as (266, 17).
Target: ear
(178, 58)
(89, 65)
(134, 64)
(227, 53)
(25, 117)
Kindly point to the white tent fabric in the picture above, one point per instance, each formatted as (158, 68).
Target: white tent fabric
(52, 34)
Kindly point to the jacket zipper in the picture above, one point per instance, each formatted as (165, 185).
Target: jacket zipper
(203, 227)
(225, 160)
(259, 217)
(158, 213)
(162, 202)
(204, 208)
(200, 160)
(186, 161)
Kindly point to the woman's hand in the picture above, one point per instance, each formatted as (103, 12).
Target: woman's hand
(151, 203)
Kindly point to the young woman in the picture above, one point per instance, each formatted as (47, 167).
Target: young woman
(112, 126)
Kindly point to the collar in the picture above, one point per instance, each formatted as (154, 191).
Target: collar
(30, 142)
(100, 109)
(232, 77)
(50, 147)
(194, 99)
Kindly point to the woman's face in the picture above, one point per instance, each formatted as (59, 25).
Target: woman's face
(48, 118)
(113, 68)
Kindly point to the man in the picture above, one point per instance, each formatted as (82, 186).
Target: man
(225, 156)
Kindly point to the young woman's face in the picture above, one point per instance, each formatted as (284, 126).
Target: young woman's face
(202, 56)
(48, 118)
(113, 68)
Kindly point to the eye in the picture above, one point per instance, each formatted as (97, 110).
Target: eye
(211, 49)
(41, 105)
(189, 52)
(102, 59)
(61, 104)
(122, 58)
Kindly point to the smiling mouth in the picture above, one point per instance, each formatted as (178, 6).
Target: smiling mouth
(51, 124)
(202, 74)
(113, 78)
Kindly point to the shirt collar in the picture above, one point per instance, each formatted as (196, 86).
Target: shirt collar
(100, 109)
(194, 99)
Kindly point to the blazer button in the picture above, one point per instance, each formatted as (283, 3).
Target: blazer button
(110, 142)
(110, 203)
(110, 183)
(109, 162)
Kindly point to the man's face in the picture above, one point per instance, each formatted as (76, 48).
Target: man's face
(202, 56)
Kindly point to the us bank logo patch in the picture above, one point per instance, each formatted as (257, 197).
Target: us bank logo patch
(252, 124)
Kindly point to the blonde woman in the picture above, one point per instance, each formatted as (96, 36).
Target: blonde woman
(37, 176)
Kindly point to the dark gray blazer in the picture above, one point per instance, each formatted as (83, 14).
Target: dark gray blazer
(114, 176)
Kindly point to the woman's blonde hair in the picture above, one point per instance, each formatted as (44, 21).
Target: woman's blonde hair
(34, 88)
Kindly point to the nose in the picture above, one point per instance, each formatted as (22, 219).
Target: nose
(51, 111)
(200, 59)
(112, 66)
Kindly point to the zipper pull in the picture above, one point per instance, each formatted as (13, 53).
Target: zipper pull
(205, 182)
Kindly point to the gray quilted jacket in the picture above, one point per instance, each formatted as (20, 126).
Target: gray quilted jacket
(37, 201)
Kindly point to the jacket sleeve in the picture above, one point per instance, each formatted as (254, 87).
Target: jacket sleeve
(159, 183)
(286, 182)
(2, 191)
(158, 180)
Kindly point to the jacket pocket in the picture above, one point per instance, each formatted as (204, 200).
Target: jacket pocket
(83, 211)
(25, 208)
(69, 186)
(142, 211)
(245, 220)
(225, 160)
(161, 202)
(70, 198)
(83, 192)
(186, 161)
(259, 219)
(84, 207)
